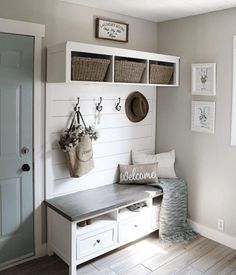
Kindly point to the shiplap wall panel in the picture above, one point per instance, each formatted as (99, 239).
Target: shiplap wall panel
(91, 180)
(115, 148)
(93, 92)
(112, 134)
(60, 171)
(117, 135)
(106, 121)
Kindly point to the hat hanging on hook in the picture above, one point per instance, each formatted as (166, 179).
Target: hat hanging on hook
(136, 107)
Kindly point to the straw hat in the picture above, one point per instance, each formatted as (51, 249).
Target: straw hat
(136, 107)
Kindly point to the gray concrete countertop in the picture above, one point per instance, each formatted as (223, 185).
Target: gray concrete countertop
(85, 204)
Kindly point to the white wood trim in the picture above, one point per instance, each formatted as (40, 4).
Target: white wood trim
(38, 148)
(38, 31)
(21, 27)
(213, 234)
(233, 122)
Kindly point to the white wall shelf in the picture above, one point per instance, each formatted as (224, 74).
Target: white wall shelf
(60, 56)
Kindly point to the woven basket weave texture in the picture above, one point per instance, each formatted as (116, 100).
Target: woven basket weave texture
(129, 71)
(160, 74)
(89, 69)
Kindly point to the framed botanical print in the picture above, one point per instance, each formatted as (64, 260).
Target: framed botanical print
(203, 116)
(204, 79)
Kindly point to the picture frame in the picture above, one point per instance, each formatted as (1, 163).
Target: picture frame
(204, 79)
(111, 30)
(203, 116)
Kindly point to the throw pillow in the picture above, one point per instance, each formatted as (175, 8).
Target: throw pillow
(140, 173)
(165, 161)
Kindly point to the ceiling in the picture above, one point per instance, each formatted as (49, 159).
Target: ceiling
(158, 10)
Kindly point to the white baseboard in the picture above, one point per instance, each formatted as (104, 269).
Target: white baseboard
(213, 234)
(41, 251)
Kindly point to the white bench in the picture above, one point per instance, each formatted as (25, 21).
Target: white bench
(113, 225)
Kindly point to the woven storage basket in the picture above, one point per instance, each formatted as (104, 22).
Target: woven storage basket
(128, 71)
(160, 74)
(89, 69)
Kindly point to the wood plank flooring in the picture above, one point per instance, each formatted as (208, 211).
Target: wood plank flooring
(147, 256)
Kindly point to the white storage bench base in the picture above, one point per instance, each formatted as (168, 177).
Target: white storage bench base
(113, 224)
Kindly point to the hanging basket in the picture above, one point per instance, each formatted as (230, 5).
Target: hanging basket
(76, 142)
(80, 159)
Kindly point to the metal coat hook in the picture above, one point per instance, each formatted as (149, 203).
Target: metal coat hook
(77, 107)
(117, 105)
(99, 105)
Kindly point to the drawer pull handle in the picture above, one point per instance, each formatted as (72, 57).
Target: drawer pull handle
(98, 241)
(135, 225)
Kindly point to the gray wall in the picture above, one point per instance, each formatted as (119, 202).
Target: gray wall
(207, 162)
(65, 21)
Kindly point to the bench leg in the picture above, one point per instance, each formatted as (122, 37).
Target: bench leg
(72, 266)
(72, 270)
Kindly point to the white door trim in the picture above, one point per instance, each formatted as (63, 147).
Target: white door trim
(233, 111)
(21, 27)
(38, 31)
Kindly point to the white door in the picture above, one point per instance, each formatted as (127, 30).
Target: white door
(16, 150)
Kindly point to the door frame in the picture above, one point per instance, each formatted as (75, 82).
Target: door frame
(38, 32)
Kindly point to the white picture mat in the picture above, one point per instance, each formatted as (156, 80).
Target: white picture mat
(203, 116)
(204, 79)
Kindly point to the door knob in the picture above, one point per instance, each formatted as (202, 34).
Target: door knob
(25, 167)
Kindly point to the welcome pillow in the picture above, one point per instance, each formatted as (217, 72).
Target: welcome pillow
(139, 173)
(166, 162)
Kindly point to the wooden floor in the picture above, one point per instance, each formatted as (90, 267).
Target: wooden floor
(147, 256)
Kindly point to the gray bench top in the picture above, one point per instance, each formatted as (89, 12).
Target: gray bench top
(84, 204)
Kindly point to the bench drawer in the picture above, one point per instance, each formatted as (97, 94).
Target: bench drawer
(131, 229)
(96, 241)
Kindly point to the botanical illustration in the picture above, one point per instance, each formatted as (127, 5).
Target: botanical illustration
(204, 79)
(203, 116)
